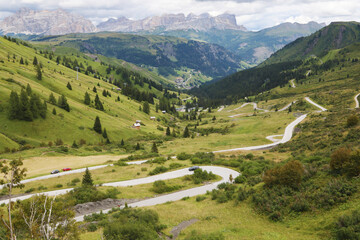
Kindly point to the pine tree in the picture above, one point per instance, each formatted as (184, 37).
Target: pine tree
(146, 107)
(87, 99)
(118, 99)
(98, 104)
(104, 133)
(54, 111)
(97, 125)
(154, 148)
(69, 86)
(173, 133)
(28, 90)
(94, 89)
(14, 108)
(35, 62)
(104, 93)
(34, 105)
(87, 179)
(74, 145)
(137, 147)
(21, 60)
(38, 73)
(52, 99)
(62, 103)
(122, 142)
(168, 131)
(43, 110)
(25, 113)
(186, 132)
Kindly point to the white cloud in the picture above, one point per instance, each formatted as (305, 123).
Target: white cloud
(253, 14)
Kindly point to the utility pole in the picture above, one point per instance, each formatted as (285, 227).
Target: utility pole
(77, 73)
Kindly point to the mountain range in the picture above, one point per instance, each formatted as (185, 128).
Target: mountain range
(252, 47)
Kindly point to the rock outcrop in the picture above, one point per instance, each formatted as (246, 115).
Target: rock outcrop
(44, 22)
(169, 22)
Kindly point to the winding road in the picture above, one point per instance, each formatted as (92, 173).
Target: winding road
(80, 170)
(356, 100)
(223, 172)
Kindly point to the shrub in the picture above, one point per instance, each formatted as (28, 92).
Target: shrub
(347, 226)
(91, 227)
(200, 198)
(240, 179)
(183, 156)
(346, 162)
(158, 170)
(200, 176)
(288, 175)
(161, 187)
(352, 121)
(30, 190)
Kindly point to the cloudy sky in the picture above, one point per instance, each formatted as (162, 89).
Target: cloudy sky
(253, 14)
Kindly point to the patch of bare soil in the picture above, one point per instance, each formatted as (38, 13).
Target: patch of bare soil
(91, 207)
(177, 229)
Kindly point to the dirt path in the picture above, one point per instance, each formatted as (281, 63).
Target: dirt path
(177, 229)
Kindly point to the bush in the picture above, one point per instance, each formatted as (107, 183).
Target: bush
(91, 227)
(183, 156)
(30, 190)
(159, 160)
(240, 179)
(161, 187)
(288, 175)
(352, 121)
(347, 226)
(346, 162)
(158, 170)
(200, 176)
(200, 198)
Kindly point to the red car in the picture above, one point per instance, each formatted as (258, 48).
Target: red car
(66, 169)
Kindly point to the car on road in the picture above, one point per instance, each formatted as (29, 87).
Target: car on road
(193, 168)
(55, 172)
(66, 169)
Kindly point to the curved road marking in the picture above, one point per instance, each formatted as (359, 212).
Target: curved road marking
(80, 170)
(356, 100)
(221, 108)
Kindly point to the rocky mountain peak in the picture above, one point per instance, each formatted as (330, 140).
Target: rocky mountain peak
(170, 22)
(45, 22)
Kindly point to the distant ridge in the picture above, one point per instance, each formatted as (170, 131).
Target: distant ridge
(44, 22)
(169, 22)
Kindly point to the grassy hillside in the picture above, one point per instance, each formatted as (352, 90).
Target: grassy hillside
(77, 124)
(294, 61)
(335, 36)
(165, 53)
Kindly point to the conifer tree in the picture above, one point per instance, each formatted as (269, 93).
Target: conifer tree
(137, 146)
(122, 142)
(87, 179)
(35, 62)
(104, 133)
(168, 131)
(146, 107)
(173, 133)
(74, 145)
(69, 86)
(54, 111)
(104, 93)
(62, 103)
(28, 90)
(186, 132)
(97, 125)
(98, 104)
(87, 98)
(38, 73)
(154, 148)
(52, 99)
(118, 99)
(94, 89)
(25, 113)
(21, 60)
(14, 108)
